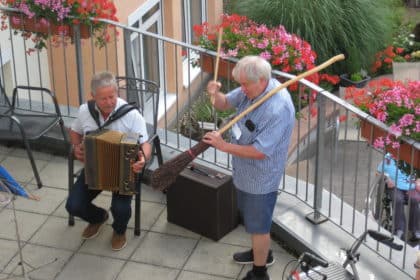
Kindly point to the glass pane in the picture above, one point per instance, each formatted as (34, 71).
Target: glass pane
(196, 17)
(151, 56)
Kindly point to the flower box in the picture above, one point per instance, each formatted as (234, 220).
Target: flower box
(36, 20)
(371, 132)
(208, 64)
(345, 81)
(406, 70)
(43, 26)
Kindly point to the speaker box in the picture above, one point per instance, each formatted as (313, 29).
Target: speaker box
(203, 201)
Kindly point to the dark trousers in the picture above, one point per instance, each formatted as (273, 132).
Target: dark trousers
(79, 204)
(400, 197)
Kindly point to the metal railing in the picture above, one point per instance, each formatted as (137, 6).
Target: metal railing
(331, 167)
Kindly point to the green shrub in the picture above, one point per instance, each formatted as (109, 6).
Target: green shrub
(357, 28)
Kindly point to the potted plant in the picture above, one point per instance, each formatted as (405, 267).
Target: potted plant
(241, 36)
(357, 79)
(407, 68)
(396, 104)
(41, 20)
(402, 57)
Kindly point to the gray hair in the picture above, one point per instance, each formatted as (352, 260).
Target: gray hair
(102, 79)
(253, 67)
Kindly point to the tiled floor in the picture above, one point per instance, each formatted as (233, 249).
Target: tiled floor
(162, 251)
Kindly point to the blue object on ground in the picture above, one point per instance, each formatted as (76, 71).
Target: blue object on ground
(11, 183)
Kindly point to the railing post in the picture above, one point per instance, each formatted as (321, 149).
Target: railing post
(79, 63)
(316, 216)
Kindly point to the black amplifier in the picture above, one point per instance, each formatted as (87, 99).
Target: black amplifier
(204, 201)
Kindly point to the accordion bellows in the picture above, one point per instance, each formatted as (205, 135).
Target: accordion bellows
(109, 155)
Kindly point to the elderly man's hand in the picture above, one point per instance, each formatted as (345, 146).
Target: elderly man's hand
(79, 151)
(214, 139)
(138, 165)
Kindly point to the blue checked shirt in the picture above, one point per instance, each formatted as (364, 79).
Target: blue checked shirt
(273, 125)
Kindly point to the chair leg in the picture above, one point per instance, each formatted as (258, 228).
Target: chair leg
(137, 213)
(158, 150)
(32, 160)
(70, 174)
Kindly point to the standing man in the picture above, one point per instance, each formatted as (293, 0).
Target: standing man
(79, 202)
(259, 146)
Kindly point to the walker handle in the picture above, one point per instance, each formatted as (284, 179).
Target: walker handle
(385, 239)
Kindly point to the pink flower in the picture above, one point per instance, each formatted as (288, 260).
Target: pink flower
(395, 103)
(379, 143)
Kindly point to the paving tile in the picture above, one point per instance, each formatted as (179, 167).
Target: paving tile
(214, 258)
(28, 224)
(237, 236)
(163, 226)
(10, 277)
(40, 262)
(166, 250)
(50, 199)
(82, 266)
(146, 271)
(188, 275)
(150, 212)
(8, 249)
(101, 245)
(61, 210)
(149, 194)
(55, 174)
(20, 168)
(56, 233)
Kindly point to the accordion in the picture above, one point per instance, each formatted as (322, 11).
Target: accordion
(109, 155)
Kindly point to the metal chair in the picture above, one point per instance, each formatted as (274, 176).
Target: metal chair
(33, 112)
(145, 95)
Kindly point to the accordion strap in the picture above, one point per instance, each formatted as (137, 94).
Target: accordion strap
(124, 109)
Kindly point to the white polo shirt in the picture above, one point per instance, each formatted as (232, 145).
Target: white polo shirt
(133, 122)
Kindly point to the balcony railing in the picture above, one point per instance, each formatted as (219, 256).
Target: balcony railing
(330, 166)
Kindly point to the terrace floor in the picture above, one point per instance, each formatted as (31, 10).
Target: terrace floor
(54, 250)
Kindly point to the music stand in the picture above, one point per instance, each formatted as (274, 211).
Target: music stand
(7, 197)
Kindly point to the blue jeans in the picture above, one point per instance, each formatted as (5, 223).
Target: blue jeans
(256, 211)
(79, 204)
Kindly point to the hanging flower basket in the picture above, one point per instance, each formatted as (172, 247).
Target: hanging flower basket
(371, 132)
(40, 20)
(43, 26)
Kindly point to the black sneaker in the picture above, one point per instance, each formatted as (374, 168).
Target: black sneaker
(247, 257)
(251, 276)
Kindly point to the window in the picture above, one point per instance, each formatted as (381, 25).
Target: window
(193, 12)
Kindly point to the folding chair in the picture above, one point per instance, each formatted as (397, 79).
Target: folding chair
(145, 95)
(32, 113)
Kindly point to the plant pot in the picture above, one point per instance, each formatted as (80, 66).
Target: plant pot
(406, 70)
(35, 25)
(370, 132)
(345, 81)
(208, 63)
